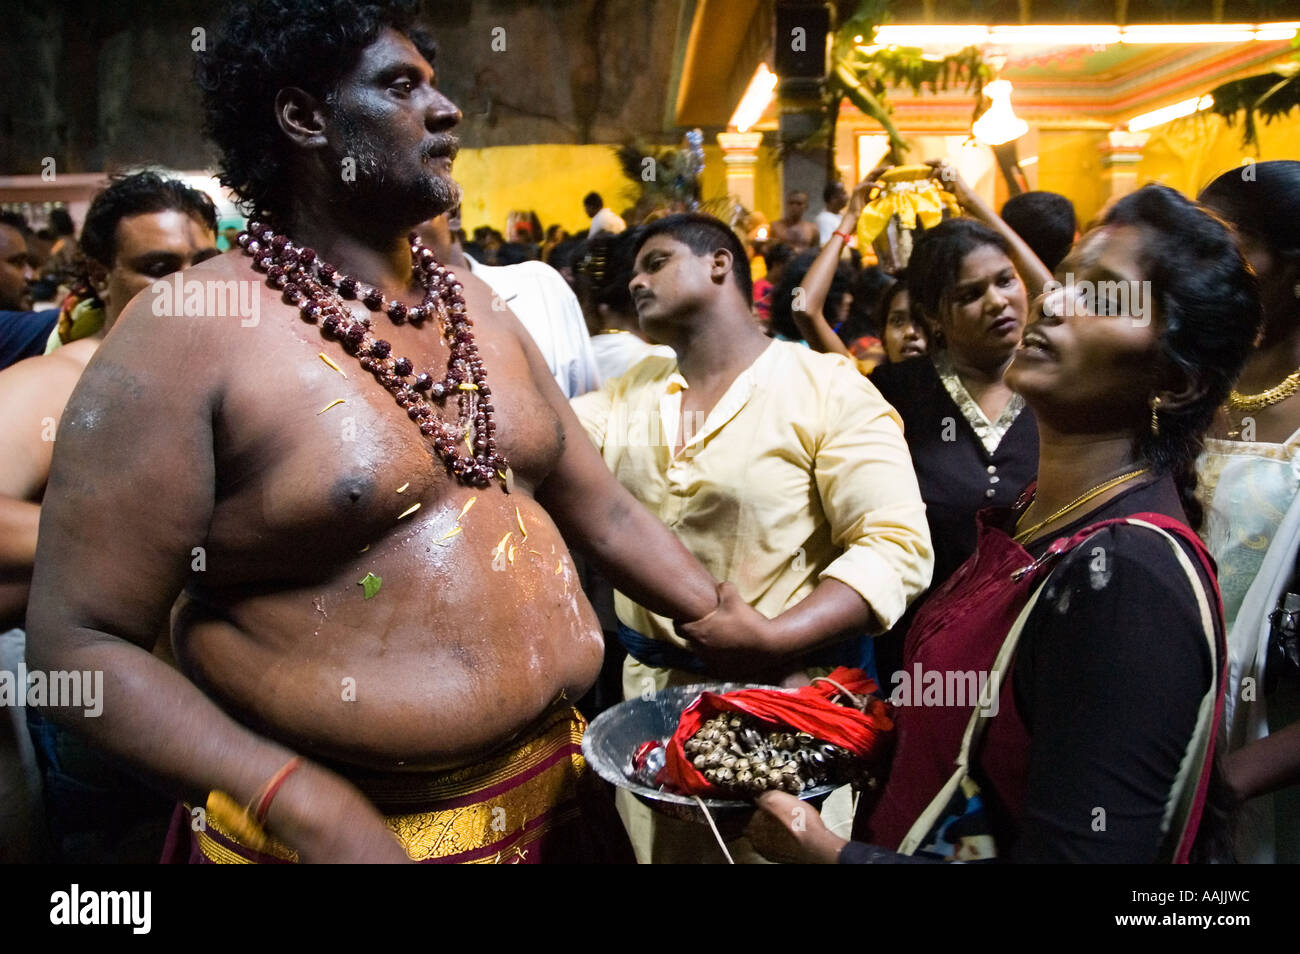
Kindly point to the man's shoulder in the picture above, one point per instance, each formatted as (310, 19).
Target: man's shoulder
(817, 364)
(51, 375)
(653, 370)
(841, 387)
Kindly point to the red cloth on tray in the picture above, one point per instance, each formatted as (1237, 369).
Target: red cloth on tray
(809, 709)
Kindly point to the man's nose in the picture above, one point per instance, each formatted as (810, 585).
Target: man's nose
(442, 114)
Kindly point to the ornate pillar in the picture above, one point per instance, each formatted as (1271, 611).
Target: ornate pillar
(739, 156)
(1120, 155)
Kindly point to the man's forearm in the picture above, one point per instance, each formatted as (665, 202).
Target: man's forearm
(645, 560)
(1266, 765)
(156, 720)
(831, 612)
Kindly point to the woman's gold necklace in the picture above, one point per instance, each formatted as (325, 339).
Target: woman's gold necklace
(1079, 501)
(1274, 395)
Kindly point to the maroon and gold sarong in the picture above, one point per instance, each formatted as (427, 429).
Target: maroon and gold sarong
(535, 802)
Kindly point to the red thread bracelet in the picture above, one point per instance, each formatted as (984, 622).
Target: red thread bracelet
(269, 790)
(844, 235)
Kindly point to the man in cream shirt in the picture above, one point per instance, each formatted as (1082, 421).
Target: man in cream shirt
(782, 470)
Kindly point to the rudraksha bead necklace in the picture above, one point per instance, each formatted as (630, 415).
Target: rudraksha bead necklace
(317, 290)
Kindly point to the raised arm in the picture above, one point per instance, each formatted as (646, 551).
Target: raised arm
(1032, 271)
(130, 495)
(810, 319)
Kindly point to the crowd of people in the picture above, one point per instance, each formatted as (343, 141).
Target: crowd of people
(334, 623)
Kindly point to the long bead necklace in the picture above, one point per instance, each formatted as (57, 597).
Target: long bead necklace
(317, 289)
(1079, 501)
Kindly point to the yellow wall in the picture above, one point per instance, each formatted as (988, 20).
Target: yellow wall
(1187, 154)
(549, 179)
(552, 179)
(1069, 162)
(767, 179)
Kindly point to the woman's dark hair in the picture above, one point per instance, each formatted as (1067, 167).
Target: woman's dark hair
(265, 46)
(1208, 303)
(782, 301)
(138, 194)
(1262, 199)
(567, 254)
(776, 255)
(935, 265)
(867, 286)
(61, 222)
(880, 315)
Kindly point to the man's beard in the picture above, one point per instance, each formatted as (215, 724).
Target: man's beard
(377, 192)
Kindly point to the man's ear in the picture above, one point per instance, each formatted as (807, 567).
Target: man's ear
(301, 116)
(98, 275)
(722, 265)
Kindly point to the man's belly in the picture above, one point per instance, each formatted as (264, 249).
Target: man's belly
(455, 654)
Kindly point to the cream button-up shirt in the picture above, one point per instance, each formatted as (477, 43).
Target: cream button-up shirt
(799, 473)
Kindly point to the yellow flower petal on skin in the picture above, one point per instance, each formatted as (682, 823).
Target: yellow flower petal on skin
(335, 403)
(559, 567)
(326, 358)
(450, 533)
(465, 509)
(408, 511)
(511, 556)
(402, 489)
(520, 519)
(501, 547)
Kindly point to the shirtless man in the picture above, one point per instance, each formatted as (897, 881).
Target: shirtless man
(139, 229)
(222, 473)
(794, 230)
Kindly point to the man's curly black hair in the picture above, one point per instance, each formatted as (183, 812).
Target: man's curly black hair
(266, 45)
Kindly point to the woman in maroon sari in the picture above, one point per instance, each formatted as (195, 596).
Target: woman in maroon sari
(1112, 690)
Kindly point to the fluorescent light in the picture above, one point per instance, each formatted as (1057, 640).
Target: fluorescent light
(1084, 34)
(1276, 31)
(754, 102)
(932, 35)
(1189, 33)
(1081, 35)
(1167, 113)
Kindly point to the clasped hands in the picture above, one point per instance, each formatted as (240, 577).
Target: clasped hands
(734, 639)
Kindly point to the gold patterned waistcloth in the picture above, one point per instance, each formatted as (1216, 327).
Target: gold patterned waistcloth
(534, 802)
